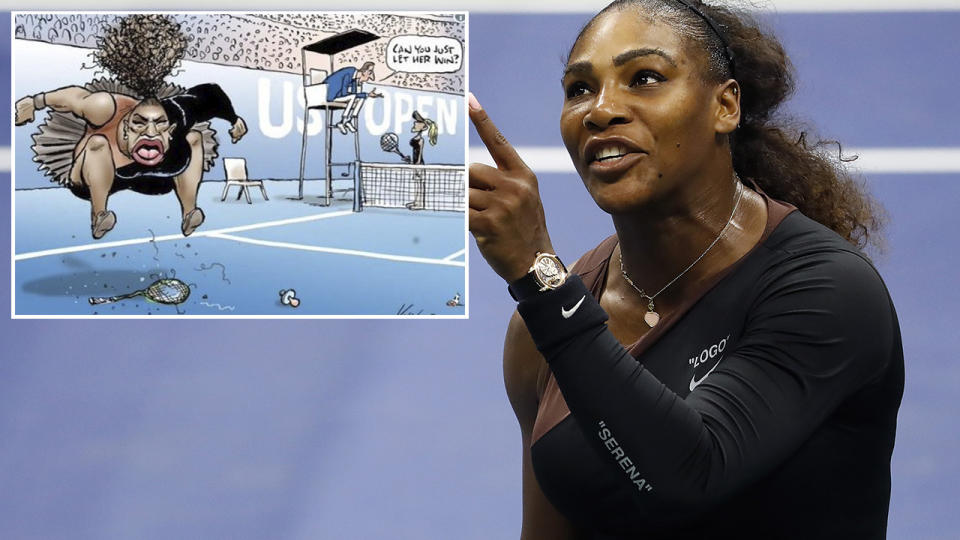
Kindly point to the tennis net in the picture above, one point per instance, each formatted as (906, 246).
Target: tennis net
(416, 187)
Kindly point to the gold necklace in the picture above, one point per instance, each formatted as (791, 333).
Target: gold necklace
(651, 317)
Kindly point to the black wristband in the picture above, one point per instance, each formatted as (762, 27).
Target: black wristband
(524, 287)
(553, 317)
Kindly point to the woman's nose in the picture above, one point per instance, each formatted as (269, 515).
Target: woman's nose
(608, 109)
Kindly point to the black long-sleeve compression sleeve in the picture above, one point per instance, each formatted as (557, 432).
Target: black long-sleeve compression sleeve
(819, 328)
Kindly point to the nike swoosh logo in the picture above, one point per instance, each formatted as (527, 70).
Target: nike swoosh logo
(694, 382)
(567, 313)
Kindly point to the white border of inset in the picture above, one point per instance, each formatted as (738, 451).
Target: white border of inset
(12, 168)
(499, 6)
(7, 163)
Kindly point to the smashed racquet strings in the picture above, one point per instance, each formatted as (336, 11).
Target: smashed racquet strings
(170, 291)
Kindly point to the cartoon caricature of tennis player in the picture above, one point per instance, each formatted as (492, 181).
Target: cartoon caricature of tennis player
(135, 132)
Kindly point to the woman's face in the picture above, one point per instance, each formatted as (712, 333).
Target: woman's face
(418, 126)
(637, 117)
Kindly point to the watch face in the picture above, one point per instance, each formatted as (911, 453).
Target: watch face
(547, 267)
(549, 271)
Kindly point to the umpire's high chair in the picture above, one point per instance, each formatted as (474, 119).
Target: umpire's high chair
(315, 98)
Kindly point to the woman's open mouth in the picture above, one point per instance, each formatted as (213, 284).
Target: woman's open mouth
(148, 152)
(613, 160)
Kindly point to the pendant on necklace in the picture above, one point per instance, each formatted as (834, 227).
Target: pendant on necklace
(651, 317)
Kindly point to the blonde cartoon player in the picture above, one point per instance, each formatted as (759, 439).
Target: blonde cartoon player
(124, 135)
(421, 124)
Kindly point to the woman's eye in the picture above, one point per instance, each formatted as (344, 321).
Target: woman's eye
(577, 89)
(646, 77)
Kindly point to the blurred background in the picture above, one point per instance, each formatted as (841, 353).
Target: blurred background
(400, 429)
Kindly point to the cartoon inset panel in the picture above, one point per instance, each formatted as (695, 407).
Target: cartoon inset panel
(219, 164)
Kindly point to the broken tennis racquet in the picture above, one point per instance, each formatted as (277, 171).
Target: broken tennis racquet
(170, 291)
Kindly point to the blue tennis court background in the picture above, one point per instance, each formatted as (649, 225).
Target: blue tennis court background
(401, 429)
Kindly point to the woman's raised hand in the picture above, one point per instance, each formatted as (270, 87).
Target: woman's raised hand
(506, 215)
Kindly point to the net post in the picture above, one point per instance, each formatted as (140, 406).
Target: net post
(357, 187)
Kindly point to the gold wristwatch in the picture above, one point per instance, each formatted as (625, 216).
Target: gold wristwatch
(546, 273)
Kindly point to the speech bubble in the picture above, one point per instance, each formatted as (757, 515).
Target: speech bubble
(424, 54)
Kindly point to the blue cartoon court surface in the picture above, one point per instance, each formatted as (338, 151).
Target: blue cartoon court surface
(339, 262)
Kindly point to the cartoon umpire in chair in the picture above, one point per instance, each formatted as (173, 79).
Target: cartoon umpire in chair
(345, 85)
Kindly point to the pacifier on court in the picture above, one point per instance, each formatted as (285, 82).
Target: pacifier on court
(288, 297)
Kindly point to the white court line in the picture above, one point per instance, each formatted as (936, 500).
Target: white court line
(881, 160)
(135, 241)
(905, 160)
(875, 160)
(339, 251)
(453, 256)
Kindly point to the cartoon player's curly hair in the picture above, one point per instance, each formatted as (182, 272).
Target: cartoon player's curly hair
(141, 50)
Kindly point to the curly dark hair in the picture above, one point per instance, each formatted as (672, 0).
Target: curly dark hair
(142, 50)
(770, 148)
